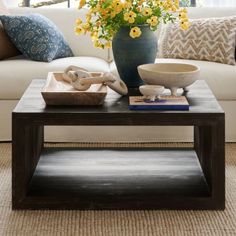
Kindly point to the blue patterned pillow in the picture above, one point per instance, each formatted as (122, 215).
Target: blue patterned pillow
(36, 37)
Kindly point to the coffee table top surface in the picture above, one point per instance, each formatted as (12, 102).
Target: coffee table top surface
(200, 98)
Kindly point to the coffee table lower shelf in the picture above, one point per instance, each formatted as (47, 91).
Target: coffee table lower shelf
(68, 178)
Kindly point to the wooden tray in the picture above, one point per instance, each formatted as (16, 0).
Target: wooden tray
(58, 92)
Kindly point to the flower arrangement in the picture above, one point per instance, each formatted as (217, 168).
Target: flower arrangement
(106, 17)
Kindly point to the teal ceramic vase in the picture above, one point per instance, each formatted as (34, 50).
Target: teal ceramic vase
(129, 53)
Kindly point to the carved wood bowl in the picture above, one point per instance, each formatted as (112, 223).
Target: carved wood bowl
(169, 75)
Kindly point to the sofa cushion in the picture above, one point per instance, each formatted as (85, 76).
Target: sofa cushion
(209, 39)
(36, 37)
(220, 77)
(17, 73)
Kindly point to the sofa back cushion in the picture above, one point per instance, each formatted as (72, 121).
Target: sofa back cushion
(65, 19)
(207, 39)
(210, 12)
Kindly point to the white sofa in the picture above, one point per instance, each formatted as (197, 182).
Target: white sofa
(17, 73)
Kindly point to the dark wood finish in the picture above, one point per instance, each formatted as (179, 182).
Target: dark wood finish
(77, 173)
(209, 143)
(27, 143)
(115, 111)
(54, 183)
(121, 177)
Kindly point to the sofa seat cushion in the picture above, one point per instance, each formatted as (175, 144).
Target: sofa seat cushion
(17, 73)
(220, 77)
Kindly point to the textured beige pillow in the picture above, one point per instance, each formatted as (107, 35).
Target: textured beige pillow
(211, 39)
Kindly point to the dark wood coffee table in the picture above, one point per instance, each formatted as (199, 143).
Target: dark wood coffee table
(118, 178)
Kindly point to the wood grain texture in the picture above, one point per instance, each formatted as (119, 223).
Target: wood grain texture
(118, 172)
(27, 143)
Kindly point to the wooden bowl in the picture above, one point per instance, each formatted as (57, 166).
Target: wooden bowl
(58, 92)
(169, 75)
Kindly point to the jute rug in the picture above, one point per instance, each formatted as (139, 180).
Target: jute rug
(117, 223)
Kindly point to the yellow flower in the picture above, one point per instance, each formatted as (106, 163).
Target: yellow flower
(88, 17)
(86, 27)
(140, 2)
(108, 44)
(98, 44)
(135, 32)
(113, 14)
(184, 25)
(184, 10)
(177, 4)
(96, 8)
(167, 6)
(160, 3)
(79, 30)
(94, 35)
(183, 15)
(130, 17)
(82, 3)
(104, 12)
(117, 5)
(127, 4)
(153, 21)
(98, 23)
(147, 11)
(78, 22)
(174, 7)
(184, 22)
(139, 9)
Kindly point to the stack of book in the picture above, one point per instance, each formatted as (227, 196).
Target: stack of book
(164, 103)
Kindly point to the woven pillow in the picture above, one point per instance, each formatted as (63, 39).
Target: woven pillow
(36, 37)
(211, 39)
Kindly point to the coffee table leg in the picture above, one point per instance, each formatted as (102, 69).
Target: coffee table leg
(209, 143)
(27, 142)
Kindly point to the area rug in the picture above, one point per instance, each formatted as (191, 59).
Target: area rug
(116, 223)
